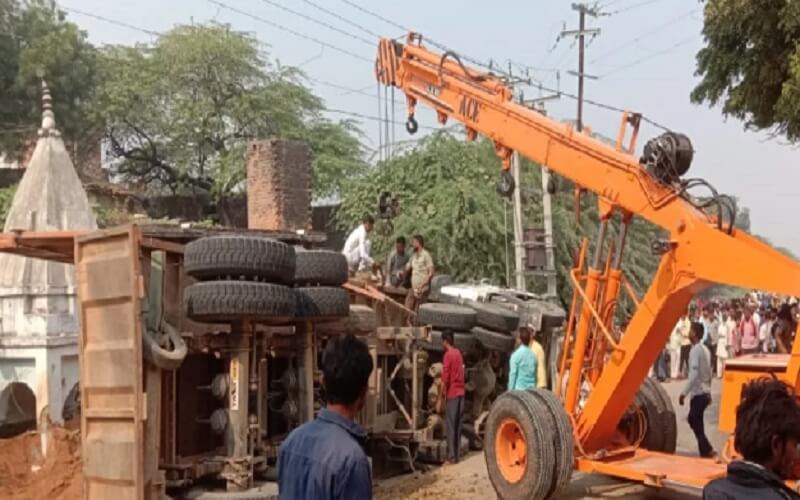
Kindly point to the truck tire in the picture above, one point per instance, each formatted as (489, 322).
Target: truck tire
(319, 267)
(224, 301)
(464, 342)
(666, 421)
(234, 256)
(361, 320)
(493, 341)
(497, 318)
(446, 316)
(562, 440)
(320, 303)
(518, 447)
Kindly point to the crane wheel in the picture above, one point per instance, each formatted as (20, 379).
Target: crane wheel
(562, 440)
(518, 446)
(661, 430)
(665, 415)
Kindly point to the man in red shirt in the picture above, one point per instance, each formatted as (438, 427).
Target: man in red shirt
(453, 390)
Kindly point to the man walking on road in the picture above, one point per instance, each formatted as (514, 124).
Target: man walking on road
(698, 388)
(453, 389)
(522, 371)
(325, 459)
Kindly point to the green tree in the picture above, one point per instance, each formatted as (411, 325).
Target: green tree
(751, 63)
(37, 42)
(179, 114)
(446, 188)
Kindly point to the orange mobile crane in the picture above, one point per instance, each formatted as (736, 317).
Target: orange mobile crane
(603, 416)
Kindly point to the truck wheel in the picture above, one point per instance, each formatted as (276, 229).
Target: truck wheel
(234, 256)
(519, 451)
(562, 440)
(446, 316)
(493, 341)
(666, 420)
(496, 317)
(360, 320)
(321, 303)
(224, 301)
(319, 267)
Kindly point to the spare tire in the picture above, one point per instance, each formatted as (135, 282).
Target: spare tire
(493, 341)
(446, 316)
(497, 318)
(320, 267)
(223, 301)
(319, 303)
(361, 320)
(237, 255)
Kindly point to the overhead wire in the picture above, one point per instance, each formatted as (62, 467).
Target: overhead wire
(649, 57)
(644, 35)
(290, 31)
(342, 18)
(314, 20)
(631, 7)
(108, 20)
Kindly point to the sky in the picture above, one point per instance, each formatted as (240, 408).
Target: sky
(644, 58)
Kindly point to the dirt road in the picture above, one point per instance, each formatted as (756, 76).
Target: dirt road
(469, 479)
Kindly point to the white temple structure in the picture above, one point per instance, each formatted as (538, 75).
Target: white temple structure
(38, 316)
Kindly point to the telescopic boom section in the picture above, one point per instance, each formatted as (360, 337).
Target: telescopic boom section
(696, 254)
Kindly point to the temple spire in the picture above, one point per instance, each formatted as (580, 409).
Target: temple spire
(48, 117)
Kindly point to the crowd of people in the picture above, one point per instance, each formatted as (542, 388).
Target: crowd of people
(755, 323)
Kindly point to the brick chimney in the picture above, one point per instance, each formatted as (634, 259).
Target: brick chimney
(278, 185)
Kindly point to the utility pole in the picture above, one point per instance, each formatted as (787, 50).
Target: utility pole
(583, 10)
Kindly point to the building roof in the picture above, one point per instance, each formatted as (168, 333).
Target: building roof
(50, 197)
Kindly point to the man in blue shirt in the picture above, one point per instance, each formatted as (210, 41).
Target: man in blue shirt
(522, 365)
(324, 459)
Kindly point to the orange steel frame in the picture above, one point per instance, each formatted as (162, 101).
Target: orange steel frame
(698, 253)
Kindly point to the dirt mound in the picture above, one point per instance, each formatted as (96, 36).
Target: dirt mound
(26, 475)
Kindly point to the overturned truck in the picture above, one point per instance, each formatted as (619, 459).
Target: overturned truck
(199, 353)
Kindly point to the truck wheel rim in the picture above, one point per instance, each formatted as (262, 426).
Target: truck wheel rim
(511, 450)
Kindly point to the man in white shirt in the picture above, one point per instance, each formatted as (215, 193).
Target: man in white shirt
(357, 246)
(698, 388)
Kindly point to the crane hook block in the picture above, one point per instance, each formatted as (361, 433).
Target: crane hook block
(668, 156)
(411, 125)
(505, 184)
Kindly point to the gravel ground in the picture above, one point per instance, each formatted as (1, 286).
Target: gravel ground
(469, 479)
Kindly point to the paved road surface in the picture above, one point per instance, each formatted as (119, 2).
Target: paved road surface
(469, 479)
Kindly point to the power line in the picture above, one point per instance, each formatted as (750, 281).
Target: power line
(631, 7)
(650, 56)
(349, 90)
(290, 31)
(109, 21)
(644, 35)
(377, 16)
(342, 18)
(321, 23)
(374, 118)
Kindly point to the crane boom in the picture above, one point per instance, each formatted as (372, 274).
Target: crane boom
(698, 252)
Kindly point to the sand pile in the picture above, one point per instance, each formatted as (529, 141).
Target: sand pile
(26, 475)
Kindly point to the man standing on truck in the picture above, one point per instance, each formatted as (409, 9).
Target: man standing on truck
(453, 390)
(396, 264)
(325, 459)
(698, 388)
(522, 368)
(421, 268)
(357, 247)
(767, 435)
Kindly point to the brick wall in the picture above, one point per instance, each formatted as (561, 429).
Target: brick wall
(279, 185)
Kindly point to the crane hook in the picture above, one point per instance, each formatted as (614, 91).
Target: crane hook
(411, 125)
(505, 184)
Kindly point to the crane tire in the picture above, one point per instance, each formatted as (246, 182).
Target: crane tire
(446, 316)
(563, 440)
(319, 267)
(666, 421)
(495, 317)
(518, 448)
(493, 341)
(225, 301)
(361, 320)
(321, 303)
(236, 255)
(648, 402)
